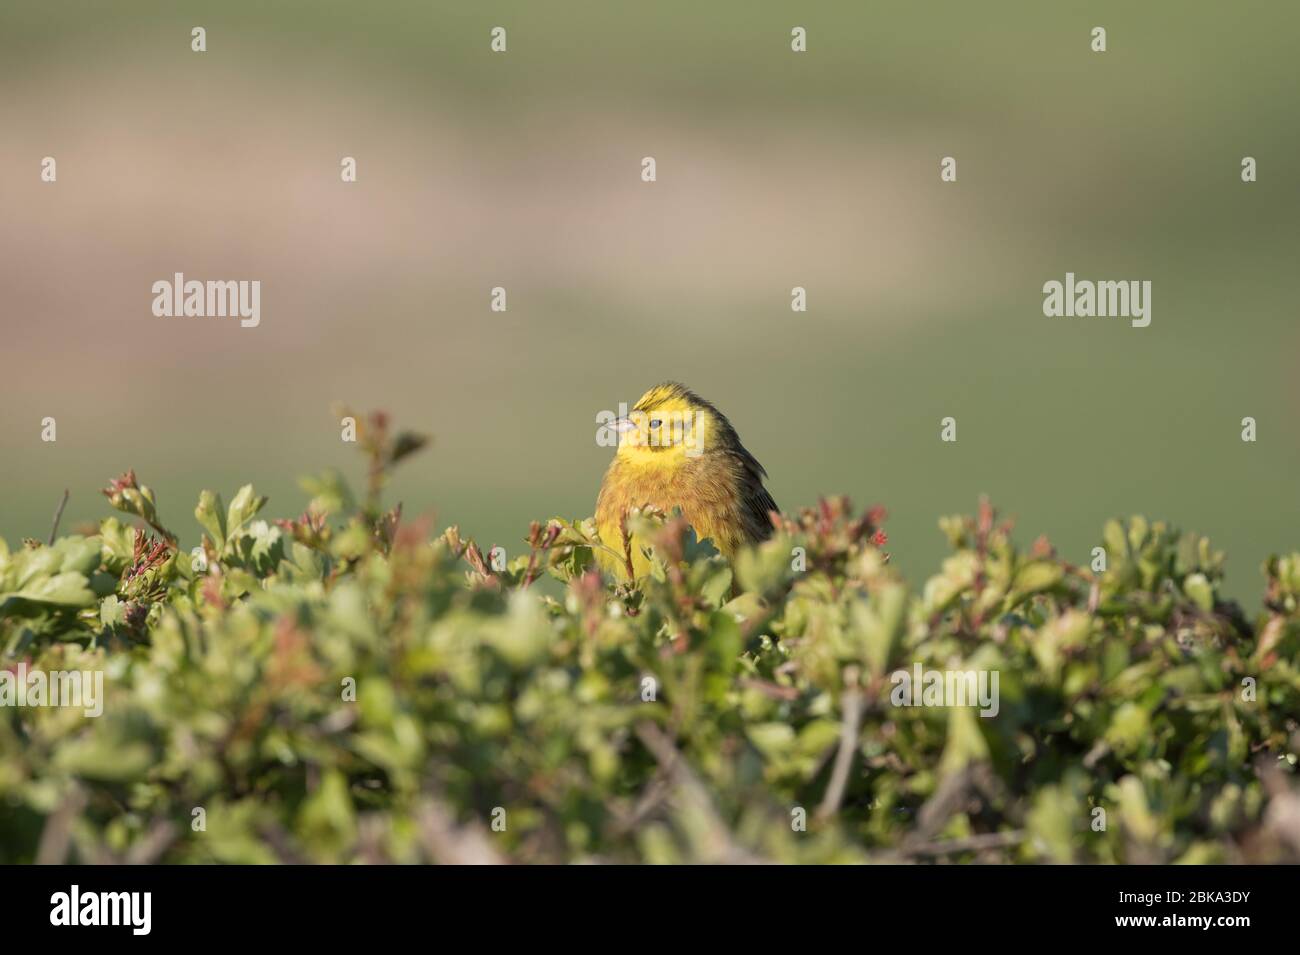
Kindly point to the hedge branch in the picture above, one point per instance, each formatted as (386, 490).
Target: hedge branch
(852, 705)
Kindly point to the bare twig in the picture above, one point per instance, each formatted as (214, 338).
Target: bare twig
(774, 691)
(281, 843)
(719, 845)
(447, 843)
(156, 841)
(1094, 755)
(852, 706)
(627, 549)
(976, 843)
(370, 840)
(943, 802)
(58, 516)
(656, 791)
(57, 834)
(1282, 818)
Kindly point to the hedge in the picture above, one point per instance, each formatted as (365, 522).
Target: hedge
(351, 686)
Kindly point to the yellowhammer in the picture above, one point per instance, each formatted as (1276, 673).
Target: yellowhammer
(675, 450)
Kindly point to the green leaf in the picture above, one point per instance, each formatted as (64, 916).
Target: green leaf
(1197, 587)
(211, 517)
(879, 624)
(242, 509)
(61, 590)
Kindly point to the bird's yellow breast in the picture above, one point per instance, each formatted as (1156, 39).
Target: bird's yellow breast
(703, 489)
(678, 452)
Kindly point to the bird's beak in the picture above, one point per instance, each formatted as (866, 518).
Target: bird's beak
(622, 425)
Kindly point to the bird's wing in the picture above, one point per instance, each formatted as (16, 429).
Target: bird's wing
(756, 502)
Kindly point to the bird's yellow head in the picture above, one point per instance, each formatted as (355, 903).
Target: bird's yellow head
(677, 451)
(668, 424)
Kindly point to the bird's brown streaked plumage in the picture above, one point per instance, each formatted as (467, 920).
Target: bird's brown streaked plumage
(701, 468)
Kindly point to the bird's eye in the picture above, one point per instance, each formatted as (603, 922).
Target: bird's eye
(655, 422)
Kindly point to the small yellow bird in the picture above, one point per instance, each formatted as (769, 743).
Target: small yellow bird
(675, 450)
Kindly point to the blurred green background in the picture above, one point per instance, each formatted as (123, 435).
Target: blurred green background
(775, 169)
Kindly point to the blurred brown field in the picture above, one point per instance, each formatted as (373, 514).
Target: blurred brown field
(774, 170)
